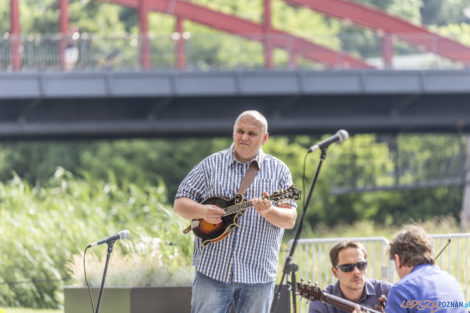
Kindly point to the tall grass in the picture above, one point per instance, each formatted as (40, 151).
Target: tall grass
(44, 226)
(138, 264)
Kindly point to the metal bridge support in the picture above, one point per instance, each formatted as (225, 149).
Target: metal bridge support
(145, 61)
(268, 53)
(64, 30)
(180, 44)
(387, 50)
(465, 213)
(15, 33)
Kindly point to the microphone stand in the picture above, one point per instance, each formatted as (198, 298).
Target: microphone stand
(110, 249)
(290, 267)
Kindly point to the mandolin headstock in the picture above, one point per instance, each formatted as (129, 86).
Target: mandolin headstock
(290, 193)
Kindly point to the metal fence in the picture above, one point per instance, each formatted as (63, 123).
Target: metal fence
(312, 257)
(82, 51)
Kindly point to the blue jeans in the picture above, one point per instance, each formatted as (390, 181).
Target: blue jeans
(212, 296)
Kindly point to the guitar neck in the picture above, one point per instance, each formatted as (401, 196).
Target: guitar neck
(344, 304)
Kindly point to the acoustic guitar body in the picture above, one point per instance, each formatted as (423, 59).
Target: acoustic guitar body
(215, 232)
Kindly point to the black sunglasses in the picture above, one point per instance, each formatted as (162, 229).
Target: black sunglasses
(350, 267)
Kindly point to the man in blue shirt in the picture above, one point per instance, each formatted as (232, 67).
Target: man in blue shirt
(349, 264)
(423, 287)
(240, 269)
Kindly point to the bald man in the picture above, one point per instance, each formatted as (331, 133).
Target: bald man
(240, 269)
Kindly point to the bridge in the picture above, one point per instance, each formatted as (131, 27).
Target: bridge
(74, 85)
(181, 104)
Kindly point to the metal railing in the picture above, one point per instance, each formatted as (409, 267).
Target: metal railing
(186, 51)
(312, 258)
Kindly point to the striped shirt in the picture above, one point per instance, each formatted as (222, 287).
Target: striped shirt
(250, 254)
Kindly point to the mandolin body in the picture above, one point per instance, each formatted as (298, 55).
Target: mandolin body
(208, 232)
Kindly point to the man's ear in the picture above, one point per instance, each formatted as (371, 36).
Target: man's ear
(334, 271)
(265, 138)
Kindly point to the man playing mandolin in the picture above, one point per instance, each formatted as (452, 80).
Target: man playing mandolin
(349, 264)
(241, 267)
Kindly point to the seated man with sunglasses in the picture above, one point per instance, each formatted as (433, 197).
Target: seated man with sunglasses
(349, 264)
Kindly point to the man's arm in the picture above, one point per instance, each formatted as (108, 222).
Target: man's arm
(191, 209)
(282, 216)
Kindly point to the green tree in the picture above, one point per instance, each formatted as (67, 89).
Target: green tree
(440, 13)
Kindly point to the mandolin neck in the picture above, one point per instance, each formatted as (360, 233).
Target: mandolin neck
(237, 208)
(240, 207)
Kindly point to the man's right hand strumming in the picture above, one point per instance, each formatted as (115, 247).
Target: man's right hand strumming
(213, 214)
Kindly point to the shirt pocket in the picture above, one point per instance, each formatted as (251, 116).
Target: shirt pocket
(263, 184)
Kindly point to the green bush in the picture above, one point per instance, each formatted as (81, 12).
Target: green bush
(44, 226)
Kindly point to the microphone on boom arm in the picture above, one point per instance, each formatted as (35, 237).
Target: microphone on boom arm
(340, 136)
(122, 235)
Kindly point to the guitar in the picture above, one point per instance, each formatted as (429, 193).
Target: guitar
(313, 293)
(234, 209)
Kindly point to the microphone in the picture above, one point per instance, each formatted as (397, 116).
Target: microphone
(123, 234)
(340, 136)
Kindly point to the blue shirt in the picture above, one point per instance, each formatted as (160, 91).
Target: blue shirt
(373, 290)
(250, 253)
(426, 289)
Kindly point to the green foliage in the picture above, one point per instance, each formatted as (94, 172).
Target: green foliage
(362, 162)
(44, 226)
(459, 32)
(438, 12)
(367, 161)
(140, 162)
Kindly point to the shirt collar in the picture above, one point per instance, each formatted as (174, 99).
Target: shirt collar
(419, 266)
(259, 158)
(369, 290)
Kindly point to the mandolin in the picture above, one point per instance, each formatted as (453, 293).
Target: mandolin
(234, 209)
(313, 293)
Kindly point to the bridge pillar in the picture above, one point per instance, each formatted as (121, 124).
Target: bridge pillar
(387, 50)
(15, 33)
(180, 45)
(268, 54)
(465, 213)
(145, 61)
(64, 30)
(293, 59)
